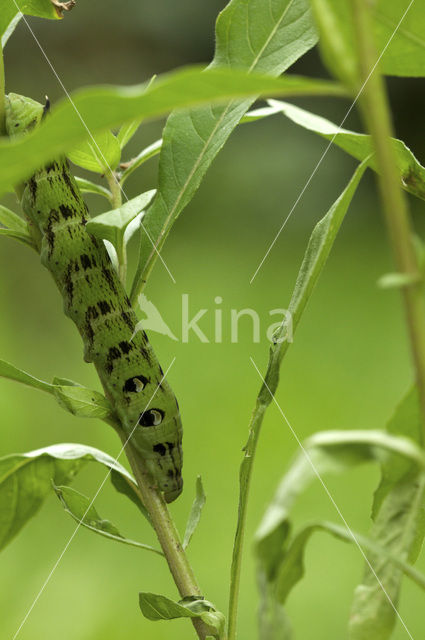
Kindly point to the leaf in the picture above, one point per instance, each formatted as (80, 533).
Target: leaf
(81, 509)
(336, 42)
(359, 145)
(87, 186)
(156, 607)
(25, 480)
(71, 396)
(280, 558)
(273, 623)
(10, 16)
(248, 37)
(328, 451)
(398, 280)
(292, 568)
(12, 221)
(106, 107)
(22, 237)
(83, 402)
(112, 225)
(318, 250)
(100, 154)
(195, 512)
(403, 45)
(149, 152)
(128, 129)
(399, 527)
(8, 370)
(406, 54)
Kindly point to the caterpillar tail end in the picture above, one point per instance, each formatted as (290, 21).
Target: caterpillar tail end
(170, 496)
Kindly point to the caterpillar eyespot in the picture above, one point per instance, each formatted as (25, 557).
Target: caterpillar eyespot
(151, 418)
(96, 302)
(135, 385)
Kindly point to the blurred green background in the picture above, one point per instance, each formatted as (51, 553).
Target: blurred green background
(347, 368)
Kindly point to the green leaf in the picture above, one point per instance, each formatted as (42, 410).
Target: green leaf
(8, 370)
(281, 559)
(273, 623)
(247, 37)
(398, 280)
(87, 186)
(292, 569)
(406, 54)
(156, 607)
(71, 396)
(359, 145)
(100, 154)
(403, 45)
(336, 39)
(10, 16)
(81, 509)
(318, 250)
(106, 107)
(149, 152)
(12, 221)
(128, 129)
(195, 512)
(83, 402)
(399, 527)
(113, 225)
(328, 451)
(22, 237)
(25, 480)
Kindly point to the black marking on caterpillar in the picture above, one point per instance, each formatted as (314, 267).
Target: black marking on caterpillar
(113, 354)
(160, 448)
(32, 185)
(104, 307)
(108, 275)
(69, 183)
(151, 417)
(66, 211)
(91, 313)
(85, 261)
(125, 346)
(126, 316)
(69, 285)
(136, 384)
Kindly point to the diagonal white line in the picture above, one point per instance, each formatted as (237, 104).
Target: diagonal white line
(328, 493)
(322, 157)
(55, 566)
(74, 106)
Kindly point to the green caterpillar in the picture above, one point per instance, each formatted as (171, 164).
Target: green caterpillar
(96, 302)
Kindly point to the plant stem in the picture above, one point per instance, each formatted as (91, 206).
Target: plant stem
(166, 532)
(245, 475)
(377, 116)
(116, 202)
(2, 96)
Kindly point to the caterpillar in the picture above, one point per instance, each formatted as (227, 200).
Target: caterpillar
(95, 300)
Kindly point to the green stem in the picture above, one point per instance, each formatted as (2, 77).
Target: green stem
(377, 116)
(116, 202)
(245, 475)
(2, 96)
(166, 532)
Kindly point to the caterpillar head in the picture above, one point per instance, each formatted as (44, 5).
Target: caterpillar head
(23, 114)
